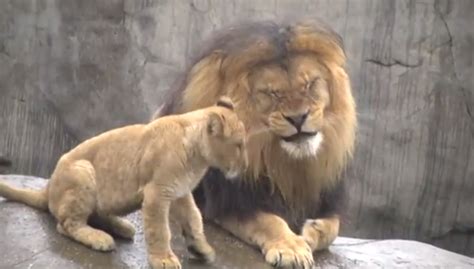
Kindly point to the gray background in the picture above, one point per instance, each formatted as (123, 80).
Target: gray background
(70, 69)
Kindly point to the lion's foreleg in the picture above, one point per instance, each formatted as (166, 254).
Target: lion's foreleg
(190, 219)
(320, 233)
(274, 237)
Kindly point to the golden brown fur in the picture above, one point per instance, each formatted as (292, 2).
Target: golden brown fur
(153, 166)
(278, 76)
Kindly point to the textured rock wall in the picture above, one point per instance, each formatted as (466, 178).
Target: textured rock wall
(70, 69)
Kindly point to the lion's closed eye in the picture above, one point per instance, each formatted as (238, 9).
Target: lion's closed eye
(264, 100)
(312, 83)
(273, 93)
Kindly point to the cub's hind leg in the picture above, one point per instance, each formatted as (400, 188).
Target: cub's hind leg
(116, 225)
(73, 201)
(190, 219)
(78, 230)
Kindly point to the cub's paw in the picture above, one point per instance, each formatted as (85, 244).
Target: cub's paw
(320, 233)
(291, 252)
(202, 250)
(60, 229)
(166, 261)
(124, 229)
(102, 242)
(95, 239)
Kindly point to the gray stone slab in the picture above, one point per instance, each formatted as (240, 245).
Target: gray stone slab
(28, 240)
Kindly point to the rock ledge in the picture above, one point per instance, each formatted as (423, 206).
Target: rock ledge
(29, 240)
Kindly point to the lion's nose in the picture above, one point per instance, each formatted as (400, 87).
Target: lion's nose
(297, 120)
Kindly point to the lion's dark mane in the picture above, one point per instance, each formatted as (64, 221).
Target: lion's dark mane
(233, 40)
(218, 197)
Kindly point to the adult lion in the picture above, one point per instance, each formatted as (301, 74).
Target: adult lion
(289, 84)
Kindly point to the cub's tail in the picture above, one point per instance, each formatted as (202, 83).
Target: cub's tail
(34, 198)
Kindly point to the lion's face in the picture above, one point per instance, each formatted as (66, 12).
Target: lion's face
(290, 101)
(288, 81)
(226, 143)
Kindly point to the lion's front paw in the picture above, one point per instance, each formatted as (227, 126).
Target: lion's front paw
(320, 233)
(291, 252)
(165, 261)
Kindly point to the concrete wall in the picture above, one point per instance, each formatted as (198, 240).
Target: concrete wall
(72, 68)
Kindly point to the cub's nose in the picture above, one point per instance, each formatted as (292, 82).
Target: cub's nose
(297, 120)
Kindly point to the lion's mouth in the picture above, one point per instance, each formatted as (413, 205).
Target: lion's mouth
(302, 145)
(232, 174)
(298, 137)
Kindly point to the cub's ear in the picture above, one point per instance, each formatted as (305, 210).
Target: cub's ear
(225, 101)
(215, 124)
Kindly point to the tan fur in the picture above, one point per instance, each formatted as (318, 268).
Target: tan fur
(338, 128)
(153, 166)
(264, 94)
(280, 246)
(320, 233)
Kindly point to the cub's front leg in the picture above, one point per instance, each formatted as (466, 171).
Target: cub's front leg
(190, 219)
(280, 246)
(155, 210)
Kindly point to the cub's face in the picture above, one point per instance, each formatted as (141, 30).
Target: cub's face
(290, 102)
(226, 141)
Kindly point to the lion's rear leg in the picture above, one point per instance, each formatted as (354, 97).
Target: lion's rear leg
(75, 202)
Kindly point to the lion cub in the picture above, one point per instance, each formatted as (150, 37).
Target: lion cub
(153, 166)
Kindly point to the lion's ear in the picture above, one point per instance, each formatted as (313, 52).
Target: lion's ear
(226, 102)
(215, 124)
